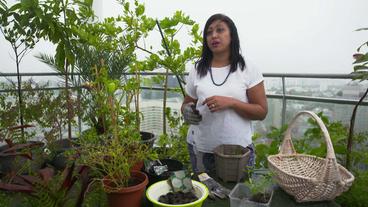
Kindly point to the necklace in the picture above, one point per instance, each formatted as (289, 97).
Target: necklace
(216, 84)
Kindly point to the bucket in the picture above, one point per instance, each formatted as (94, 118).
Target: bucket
(154, 192)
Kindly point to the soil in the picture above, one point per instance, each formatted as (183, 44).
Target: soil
(177, 198)
(261, 198)
(134, 181)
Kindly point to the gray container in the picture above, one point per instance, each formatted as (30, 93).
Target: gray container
(240, 194)
(231, 162)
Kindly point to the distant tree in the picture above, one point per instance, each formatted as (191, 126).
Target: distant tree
(339, 93)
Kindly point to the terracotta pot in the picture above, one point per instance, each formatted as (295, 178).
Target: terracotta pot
(130, 196)
(138, 166)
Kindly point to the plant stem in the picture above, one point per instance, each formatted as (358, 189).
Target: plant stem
(164, 102)
(17, 62)
(351, 132)
(137, 75)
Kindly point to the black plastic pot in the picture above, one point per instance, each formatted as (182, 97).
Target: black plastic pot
(172, 165)
(17, 159)
(147, 138)
(59, 160)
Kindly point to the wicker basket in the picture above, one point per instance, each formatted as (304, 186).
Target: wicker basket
(307, 177)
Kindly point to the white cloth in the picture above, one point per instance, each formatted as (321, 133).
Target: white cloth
(226, 126)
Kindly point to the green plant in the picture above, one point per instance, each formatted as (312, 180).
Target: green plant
(170, 56)
(19, 25)
(96, 41)
(52, 190)
(112, 154)
(260, 184)
(95, 196)
(46, 109)
(356, 194)
(263, 150)
(361, 73)
(313, 142)
(173, 145)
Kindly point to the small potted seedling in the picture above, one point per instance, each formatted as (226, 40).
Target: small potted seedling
(256, 192)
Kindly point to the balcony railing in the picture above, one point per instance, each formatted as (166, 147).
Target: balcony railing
(278, 87)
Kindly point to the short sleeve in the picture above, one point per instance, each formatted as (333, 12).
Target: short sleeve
(254, 75)
(190, 87)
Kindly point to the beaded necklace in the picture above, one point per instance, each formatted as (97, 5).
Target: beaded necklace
(217, 84)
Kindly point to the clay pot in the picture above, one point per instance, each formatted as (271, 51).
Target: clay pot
(129, 196)
(138, 166)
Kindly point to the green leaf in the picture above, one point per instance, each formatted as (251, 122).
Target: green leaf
(139, 10)
(60, 56)
(126, 6)
(360, 67)
(363, 58)
(27, 3)
(15, 7)
(3, 4)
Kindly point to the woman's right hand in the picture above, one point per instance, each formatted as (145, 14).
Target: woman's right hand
(191, 115)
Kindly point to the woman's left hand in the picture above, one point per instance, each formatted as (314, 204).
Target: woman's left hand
(218, 103)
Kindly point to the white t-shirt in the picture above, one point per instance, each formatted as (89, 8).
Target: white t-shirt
(226, 126)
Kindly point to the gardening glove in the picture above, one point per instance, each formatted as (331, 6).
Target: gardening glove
(214, 188)
(191, 114)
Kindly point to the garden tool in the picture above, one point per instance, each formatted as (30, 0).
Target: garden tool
(214, 188)
(191, 114)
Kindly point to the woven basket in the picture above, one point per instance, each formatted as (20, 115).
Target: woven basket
(307, 177)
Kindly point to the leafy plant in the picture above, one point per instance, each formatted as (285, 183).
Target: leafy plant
(170, 56)
(174, 145)
(263, 150)
(45, 109)
(260, 184)
(313, 140)
(49, 190)
(112, 155)
(361, 73)
(19, 25)
(356, 194)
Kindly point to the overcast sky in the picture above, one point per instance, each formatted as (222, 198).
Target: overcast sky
(279, 36)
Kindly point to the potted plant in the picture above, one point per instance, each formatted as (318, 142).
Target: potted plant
(48, 188)
(112, 155)
(256, 192)
(19, 156)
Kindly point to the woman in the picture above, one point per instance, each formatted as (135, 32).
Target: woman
(223, 94)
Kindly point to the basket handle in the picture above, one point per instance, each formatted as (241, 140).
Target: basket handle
(287, 147)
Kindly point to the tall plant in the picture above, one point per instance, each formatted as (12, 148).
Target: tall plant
(96, 41)
(19, 24)
(361, 73)
(170, 56)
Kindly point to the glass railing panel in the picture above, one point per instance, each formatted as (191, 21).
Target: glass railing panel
(335, 112)
(326, 88)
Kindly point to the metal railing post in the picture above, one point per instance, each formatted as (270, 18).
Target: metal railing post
(283, 115)
(79, 105)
